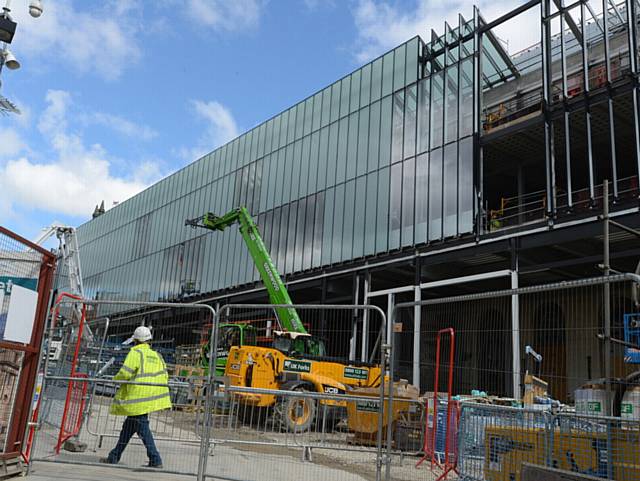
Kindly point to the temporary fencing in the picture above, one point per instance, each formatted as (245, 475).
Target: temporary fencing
(79, 387)
(551, 348)
(26, 272)
(295, 416)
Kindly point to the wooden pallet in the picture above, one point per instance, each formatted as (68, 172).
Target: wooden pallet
(11, 467)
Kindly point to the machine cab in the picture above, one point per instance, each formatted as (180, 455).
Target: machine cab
(297, 344)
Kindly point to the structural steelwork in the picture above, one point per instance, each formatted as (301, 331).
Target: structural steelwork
(438, 165)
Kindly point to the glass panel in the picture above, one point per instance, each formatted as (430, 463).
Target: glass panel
(359, 219)
(385, 132)
(322, 158)
(317, 230)
(374, 137)
(397, 126)
(307, 248)
(335, 101)
(437, 92)
(370, 214)
(275, 236)
(284, 233)
(423, 115)
(451, 113)
(338, 218)
(343, 138)
(387, 74)
(293, 119)
(275, 137)
(435, 195)
(408, 187)
(344, 96)
(347, 228)
(291, 239)
(332, 154)
(465, 187)
(300, 228)
(284, 126)
(309, 164)
(279, 177)
(288, 167)
(297, 176)
(317, 111)
(450, 189)
(395, 206)
(422, 198)
(398, 67)
(413, 52)
(300, 119)
(327, 230)
(265, 183)
(352, 148)
(326, 106)
(466, 98)
(365, 85)
(382, 224)
(376, 79)
(354, 98)
(410, 105)
(363, 139)
(308, 116)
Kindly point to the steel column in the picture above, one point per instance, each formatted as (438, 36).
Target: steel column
(417, 329)
(565, 96)
(587, 110)
(633, 67)
(607, 63)
(545, 35)
(515, 332)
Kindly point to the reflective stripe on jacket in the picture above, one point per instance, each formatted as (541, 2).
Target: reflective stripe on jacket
(145, 365)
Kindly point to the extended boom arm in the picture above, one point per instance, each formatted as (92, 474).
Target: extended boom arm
(278, 294)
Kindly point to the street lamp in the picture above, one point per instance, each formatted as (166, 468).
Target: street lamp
(7, 32)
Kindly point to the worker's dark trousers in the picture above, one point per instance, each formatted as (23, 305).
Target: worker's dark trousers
(136, 425)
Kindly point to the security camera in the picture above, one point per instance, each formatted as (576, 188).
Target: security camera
(35, 8)
(10, 60)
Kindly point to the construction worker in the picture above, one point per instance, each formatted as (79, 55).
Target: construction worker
(136, 401)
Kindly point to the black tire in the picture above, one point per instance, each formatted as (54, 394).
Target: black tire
(295, 414)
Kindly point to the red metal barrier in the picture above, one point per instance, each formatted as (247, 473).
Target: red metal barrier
(451, 422)
(76, 390)
(73, 409)
(24, 253)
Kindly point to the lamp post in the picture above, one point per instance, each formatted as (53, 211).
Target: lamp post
(7, 32)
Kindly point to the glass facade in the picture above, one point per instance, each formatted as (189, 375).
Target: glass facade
(379, 160)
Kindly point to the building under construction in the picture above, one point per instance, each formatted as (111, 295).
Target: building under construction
(448, 165)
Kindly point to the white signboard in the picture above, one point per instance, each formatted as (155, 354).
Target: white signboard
(21, 315)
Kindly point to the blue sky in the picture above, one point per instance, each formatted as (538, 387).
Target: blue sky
(118, 94)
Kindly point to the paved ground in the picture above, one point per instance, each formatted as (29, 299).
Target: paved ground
(72, 472)
(279, 459)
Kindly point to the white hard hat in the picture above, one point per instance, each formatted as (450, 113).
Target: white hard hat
(142, 333)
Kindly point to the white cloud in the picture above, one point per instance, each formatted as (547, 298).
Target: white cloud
(121, 125)
(383, 25)
(11, 143)
(224, 14)
(97, 40)
(79, 177)
(220, 128)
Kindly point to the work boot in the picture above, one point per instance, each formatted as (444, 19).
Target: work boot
(106, 461)
(156, 466)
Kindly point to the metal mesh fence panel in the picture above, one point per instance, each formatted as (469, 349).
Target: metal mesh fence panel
(80, 389)
(297, 406)
(565, 348)
(25, 278)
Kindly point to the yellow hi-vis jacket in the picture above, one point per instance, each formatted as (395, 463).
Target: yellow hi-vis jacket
(145, 365)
